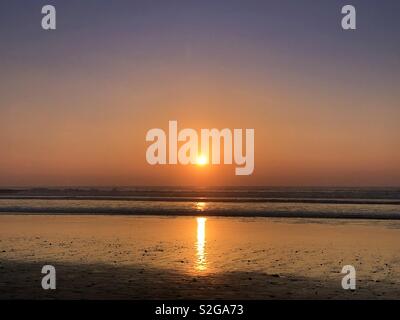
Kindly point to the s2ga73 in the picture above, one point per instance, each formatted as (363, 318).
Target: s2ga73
(221, 309)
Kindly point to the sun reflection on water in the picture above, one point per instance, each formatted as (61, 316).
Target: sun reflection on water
(200, 206)
(201, 263)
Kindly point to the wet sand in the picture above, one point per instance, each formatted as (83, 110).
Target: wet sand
(137, 257)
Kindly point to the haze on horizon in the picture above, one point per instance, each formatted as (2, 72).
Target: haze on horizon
(76, 103)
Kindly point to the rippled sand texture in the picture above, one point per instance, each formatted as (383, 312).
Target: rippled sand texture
(140, 257)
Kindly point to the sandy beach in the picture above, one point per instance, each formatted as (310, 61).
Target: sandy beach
(154, 257)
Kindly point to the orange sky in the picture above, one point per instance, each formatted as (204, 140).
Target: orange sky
(75, 107)
(300, 139)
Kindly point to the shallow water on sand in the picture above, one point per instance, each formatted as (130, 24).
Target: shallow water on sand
(215, 249)
(201, 245)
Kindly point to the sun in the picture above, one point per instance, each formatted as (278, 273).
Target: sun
(201, 160)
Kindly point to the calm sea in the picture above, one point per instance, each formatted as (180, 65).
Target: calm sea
(321, 202)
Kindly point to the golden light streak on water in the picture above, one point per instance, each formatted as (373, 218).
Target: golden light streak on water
(201, 263)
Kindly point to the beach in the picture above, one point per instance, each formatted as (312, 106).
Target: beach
(199, 150)
(197, 257)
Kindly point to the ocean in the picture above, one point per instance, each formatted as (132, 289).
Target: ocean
(304, 202)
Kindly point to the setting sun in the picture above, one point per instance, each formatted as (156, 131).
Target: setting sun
(201, 160)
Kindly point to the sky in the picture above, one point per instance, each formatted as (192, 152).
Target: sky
(76, 102)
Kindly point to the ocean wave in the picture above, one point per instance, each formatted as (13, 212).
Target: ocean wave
(168, 208)
(213, 193)
(209, 199)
